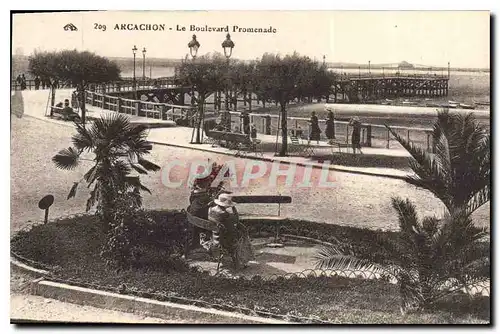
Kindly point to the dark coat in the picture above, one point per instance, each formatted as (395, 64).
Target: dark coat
(330, 128)
(315, 130)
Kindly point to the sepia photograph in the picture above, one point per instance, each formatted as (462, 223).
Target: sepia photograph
(250, 167)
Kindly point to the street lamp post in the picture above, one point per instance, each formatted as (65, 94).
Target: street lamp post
(227, 46)
(134, 50)
(144, 65)
(193, 46)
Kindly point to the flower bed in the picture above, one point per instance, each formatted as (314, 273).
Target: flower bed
(71, 247)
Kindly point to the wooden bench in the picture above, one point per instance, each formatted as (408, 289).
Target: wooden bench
(233, 140)
(339, 144)
(265, 199)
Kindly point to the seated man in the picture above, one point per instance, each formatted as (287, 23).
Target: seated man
(233, 236)
(219, 127)
(67, 113)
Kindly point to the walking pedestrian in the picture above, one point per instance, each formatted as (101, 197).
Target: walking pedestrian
(315, 130)
(246, 122)
(356, 134)
(330, 126)
(23, 82)
(19, 79)
(37, 83)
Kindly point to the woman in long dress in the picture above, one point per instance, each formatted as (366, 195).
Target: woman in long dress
(330, 126)
(356, 134)
(315, 130)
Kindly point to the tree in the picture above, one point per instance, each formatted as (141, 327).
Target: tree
(118, 148)
(79, 68)
(458, 172)
(206, 75)
(243, 78)
(435, 257)
(284, 79)
(431, 258)
(43, 65)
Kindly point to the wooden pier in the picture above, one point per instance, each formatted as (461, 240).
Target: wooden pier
(350, 88)
(365, 88)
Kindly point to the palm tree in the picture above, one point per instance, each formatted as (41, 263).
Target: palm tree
(118, 148)
(435, 257)
(431, 258)
(458, 171)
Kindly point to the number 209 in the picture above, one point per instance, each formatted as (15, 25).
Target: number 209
(98, 26)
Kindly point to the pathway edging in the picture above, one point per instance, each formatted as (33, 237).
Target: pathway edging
(127, 303)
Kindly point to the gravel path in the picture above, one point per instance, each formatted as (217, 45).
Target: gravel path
(357, 200)
(27, 307)
(24, 306)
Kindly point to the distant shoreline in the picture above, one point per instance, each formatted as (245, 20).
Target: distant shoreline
(125, 62)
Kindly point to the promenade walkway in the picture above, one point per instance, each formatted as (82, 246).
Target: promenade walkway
(374, 161)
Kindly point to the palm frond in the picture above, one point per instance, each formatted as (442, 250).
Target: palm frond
(72, 191)
(135, 183)
(91, 175)
(148, 165)
(407, 214)
(417, 153)
(67, 159)
(138, 168)
(82, 140)
(93, 198)
(332, 257)
(479, 199)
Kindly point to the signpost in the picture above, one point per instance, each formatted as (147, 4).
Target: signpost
(45, 204)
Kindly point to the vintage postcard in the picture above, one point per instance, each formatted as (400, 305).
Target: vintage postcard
(251, 167)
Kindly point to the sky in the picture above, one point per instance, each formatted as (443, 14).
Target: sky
(381, 37)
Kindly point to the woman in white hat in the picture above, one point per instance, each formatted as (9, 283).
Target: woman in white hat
(233, 236)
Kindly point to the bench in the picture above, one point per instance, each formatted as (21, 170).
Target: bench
(265, 199)
(339, 144)
(58, 113)
(233, 140)
(299, 148)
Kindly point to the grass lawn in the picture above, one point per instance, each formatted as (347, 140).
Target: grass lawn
(73, 245)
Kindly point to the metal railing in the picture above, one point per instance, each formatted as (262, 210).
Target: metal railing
(116, 86)
(372, 135)
(162, 111)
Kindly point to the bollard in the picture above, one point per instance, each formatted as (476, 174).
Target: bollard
(369, 135)
(137, 108)
(388, 139)
(164, 116)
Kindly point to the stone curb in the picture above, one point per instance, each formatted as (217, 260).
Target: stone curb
(154, 308)
(131, 304)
